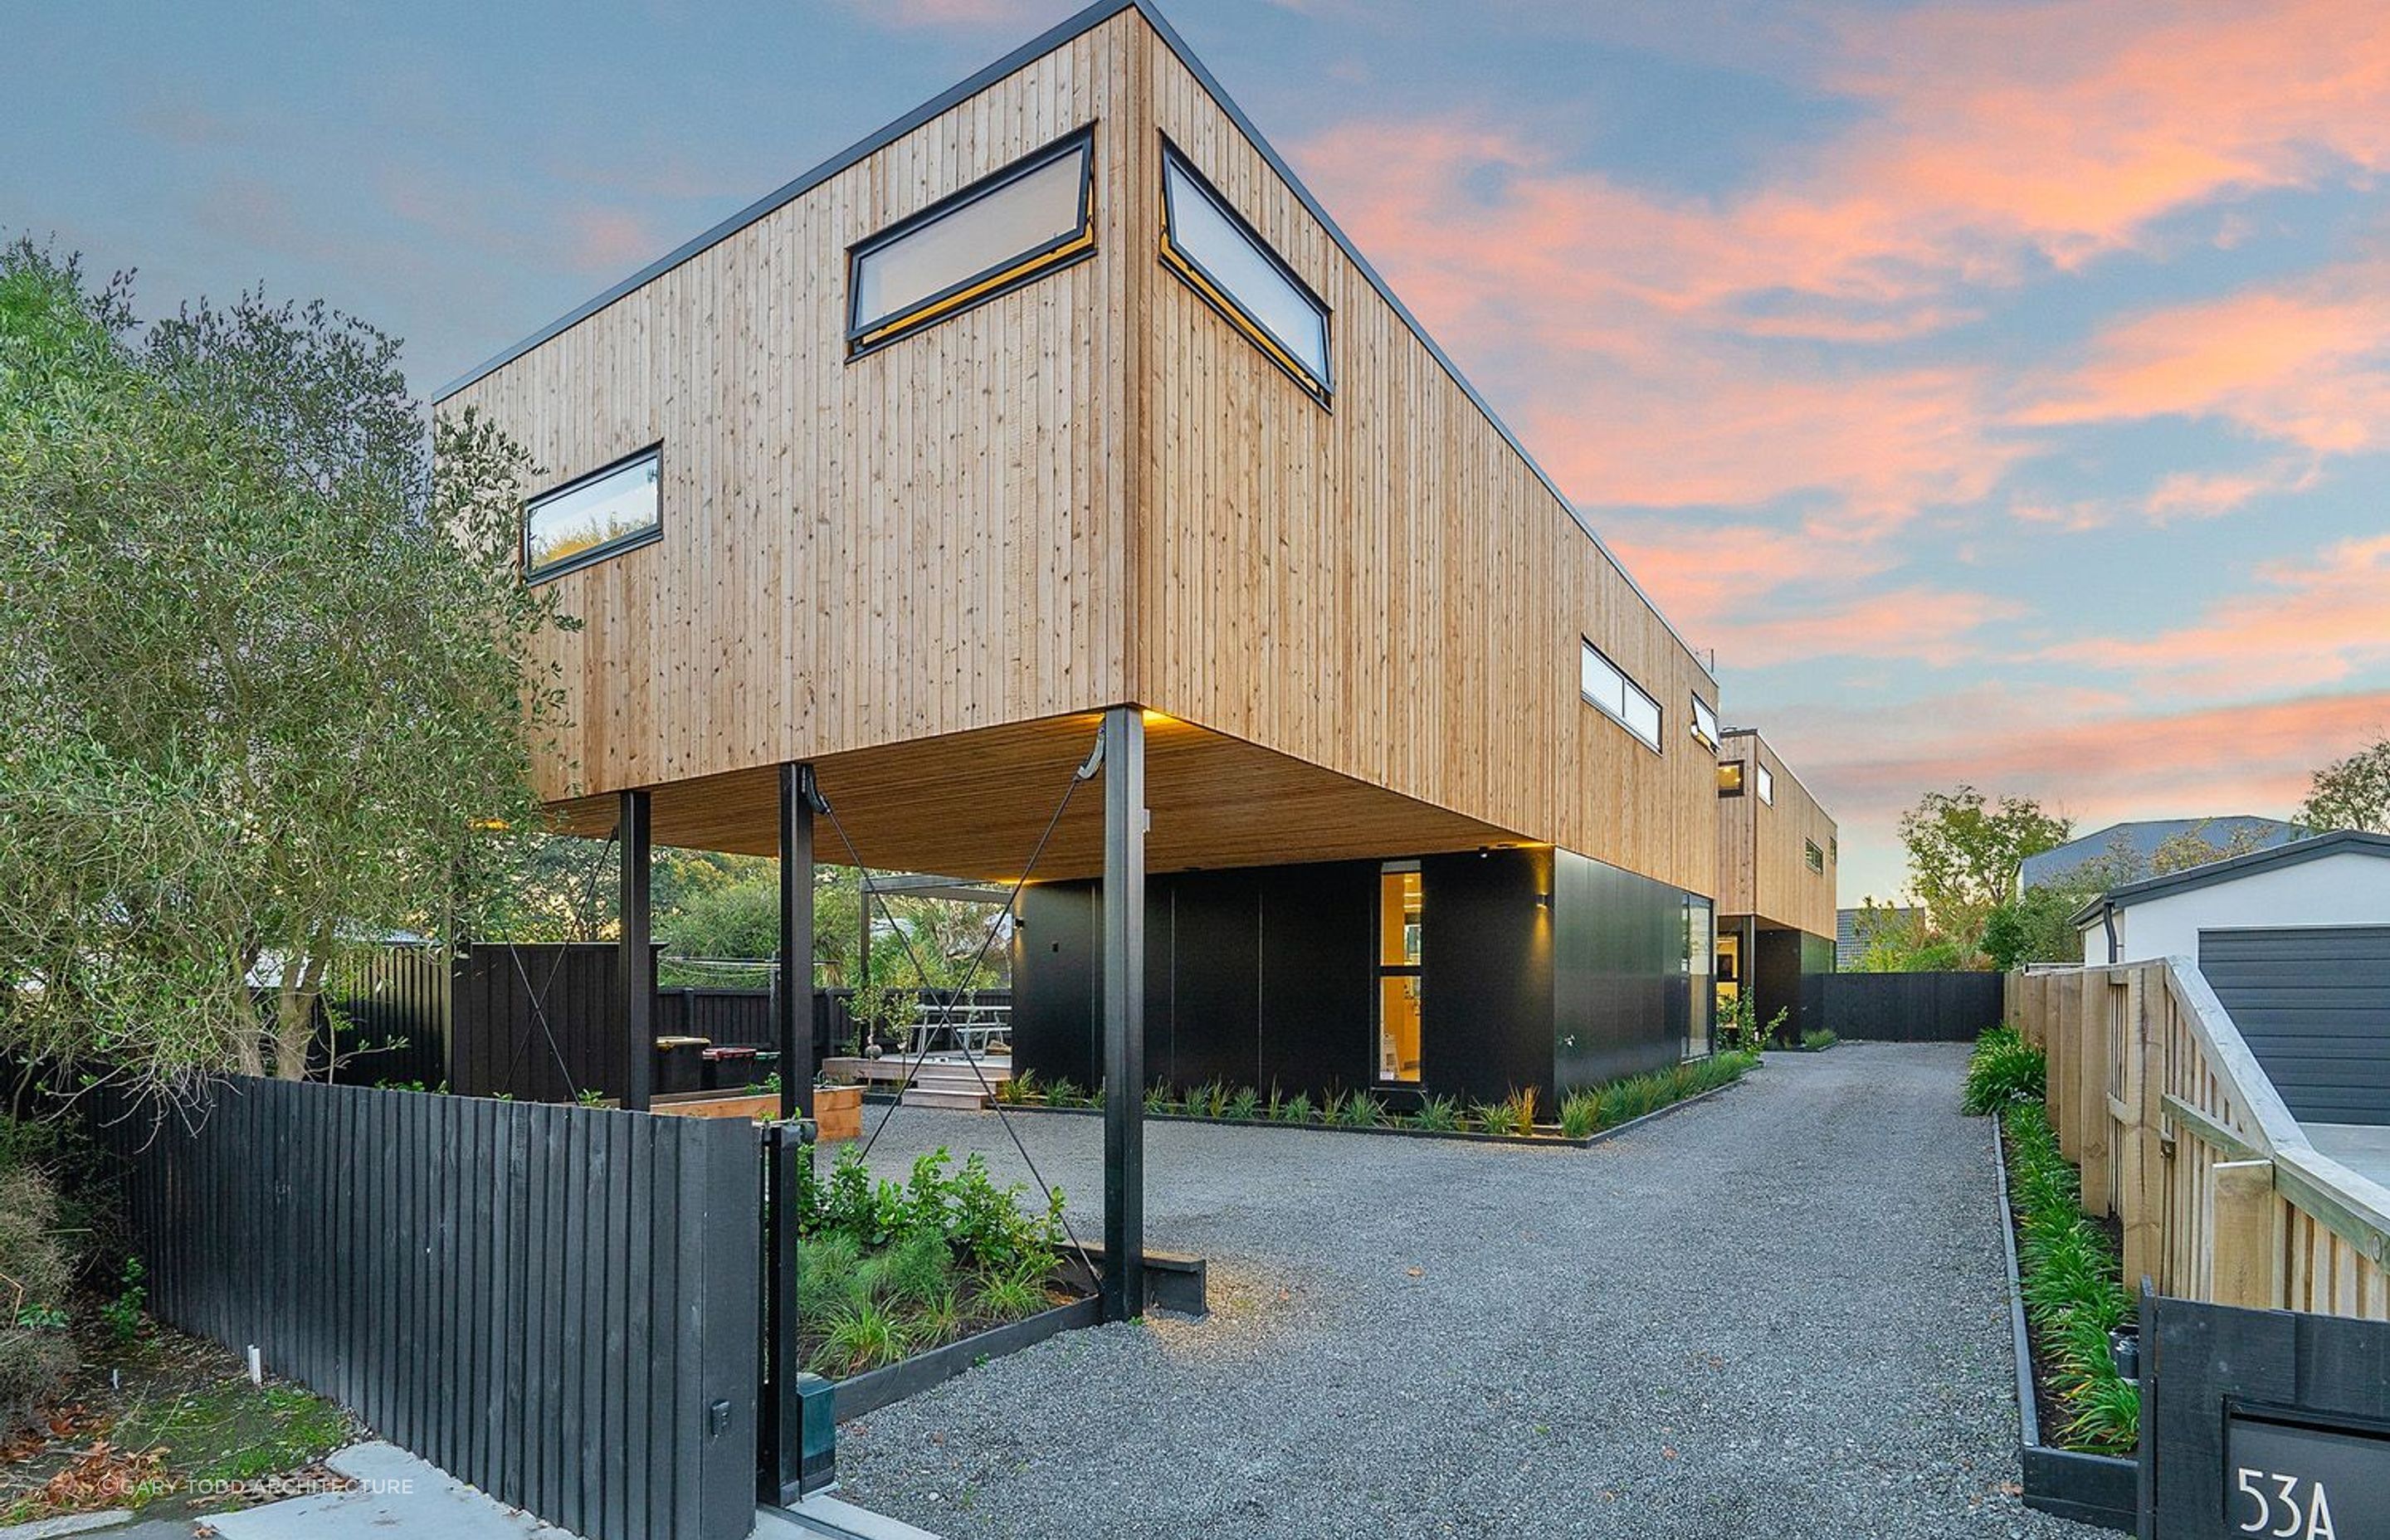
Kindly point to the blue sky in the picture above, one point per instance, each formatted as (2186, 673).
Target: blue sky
(2003, 391)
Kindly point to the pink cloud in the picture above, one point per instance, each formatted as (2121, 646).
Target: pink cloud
(2307, 364)
(2313, 623)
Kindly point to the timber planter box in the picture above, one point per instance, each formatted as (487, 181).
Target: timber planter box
(838, 1113)
(2102, 1490)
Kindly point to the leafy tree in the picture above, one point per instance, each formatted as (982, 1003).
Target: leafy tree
(2351, 793)
(2178, 852)
(268, 690)
(2036, 925)
(1963, 853)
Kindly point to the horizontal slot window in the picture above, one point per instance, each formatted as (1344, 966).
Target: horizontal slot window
(600, 514)
(1705, 724)
(992, 237)
(1207, 243)
(1767, 784)
(1607, 686)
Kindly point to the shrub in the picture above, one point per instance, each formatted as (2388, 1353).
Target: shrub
(2004, 1068)
(2069, 1279)
(37, 1354)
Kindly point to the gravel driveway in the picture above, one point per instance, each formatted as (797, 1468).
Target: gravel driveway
(1779, 1313)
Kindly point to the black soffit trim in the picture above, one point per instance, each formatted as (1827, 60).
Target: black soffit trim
(1037, 47)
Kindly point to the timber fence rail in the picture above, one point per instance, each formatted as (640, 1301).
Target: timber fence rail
(560, 1305)
(2180, 1136)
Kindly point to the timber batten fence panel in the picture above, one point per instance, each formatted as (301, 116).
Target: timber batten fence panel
(560, 1305)
(2181, 1136)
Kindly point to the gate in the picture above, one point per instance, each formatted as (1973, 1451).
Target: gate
(2263, 1423)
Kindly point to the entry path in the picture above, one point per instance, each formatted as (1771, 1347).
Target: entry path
(1781, 1312)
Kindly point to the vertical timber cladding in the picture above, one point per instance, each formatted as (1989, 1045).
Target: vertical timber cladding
(928, 539)
(1764, 847)
(558, 1304)
(1385, 585)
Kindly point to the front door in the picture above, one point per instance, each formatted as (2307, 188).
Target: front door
(1399, 910)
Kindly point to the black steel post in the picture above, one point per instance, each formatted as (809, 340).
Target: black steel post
(793, 1001)
(638, 964)
(1123, 996)
(780, 1426)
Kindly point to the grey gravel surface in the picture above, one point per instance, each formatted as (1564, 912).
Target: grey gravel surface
(1779, 1312)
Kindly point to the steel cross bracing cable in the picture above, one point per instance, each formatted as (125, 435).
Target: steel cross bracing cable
(1011, 903)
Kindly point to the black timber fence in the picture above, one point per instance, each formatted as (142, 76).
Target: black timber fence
(561, 1306)
(535, 1021)
(1903, 1007)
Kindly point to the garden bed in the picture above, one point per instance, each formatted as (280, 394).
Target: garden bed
(1586, 1117)
(893, 1278)
(2064, 1297)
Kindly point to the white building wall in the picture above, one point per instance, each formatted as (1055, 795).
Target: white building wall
(2349, 888)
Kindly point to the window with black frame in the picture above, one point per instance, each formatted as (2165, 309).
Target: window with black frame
(1226, 261)
(590, 518)
(1005, 230)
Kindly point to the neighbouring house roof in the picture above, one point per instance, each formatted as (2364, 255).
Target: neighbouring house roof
(2345, 842)
(2143, 838)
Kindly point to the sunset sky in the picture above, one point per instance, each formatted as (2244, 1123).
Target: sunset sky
(2002, 390)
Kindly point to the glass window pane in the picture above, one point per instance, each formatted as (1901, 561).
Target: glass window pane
(1245, 272)
(1766, 786)
(622, 504)
(1730, 778)
(1601, 684)
(983, 237)
(1642, 716)
(1706, 723)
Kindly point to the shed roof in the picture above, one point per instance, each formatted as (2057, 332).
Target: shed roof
(2344, 842)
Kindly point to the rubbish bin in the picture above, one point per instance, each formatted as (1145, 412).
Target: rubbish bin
(678, 1068)
(728, 1068)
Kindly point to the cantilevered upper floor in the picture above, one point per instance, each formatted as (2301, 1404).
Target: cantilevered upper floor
(1061, 391)
(1778, 849)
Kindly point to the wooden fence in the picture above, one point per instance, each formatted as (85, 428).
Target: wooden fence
(2181, 1138)
(559, 1304)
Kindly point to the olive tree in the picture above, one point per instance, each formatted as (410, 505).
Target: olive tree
(267, 691)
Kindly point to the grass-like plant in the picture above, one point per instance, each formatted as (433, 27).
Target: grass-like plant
(1159, 1102)
(2069, 1276)
(2004, 1070)
(864, 1336)
(1580, 1115)
(1331, 1107)
(1818, 1039)
(1361, 1109)
(1294, 1109)
(1243, 1105)
(1012, 1295)
(1020, 1090)
(1437, 1115)
(1062, 1091)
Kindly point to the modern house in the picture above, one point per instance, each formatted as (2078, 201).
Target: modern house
(2133, 846)
(1060, 404)
(1779, 853)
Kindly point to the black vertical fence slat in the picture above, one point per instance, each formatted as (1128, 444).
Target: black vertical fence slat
(1905, 1007)
(547, 1301)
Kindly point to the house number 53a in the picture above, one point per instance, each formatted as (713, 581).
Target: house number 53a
(2284, 1507)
